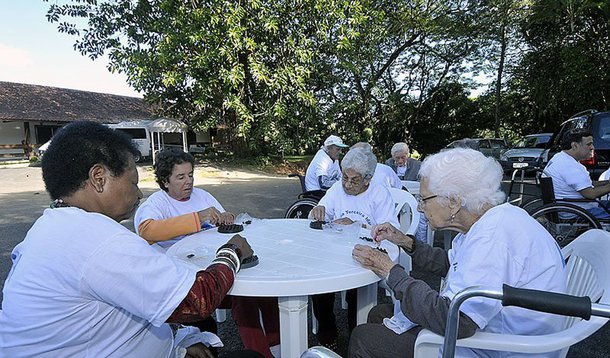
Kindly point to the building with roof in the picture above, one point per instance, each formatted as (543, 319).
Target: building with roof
(30, 114)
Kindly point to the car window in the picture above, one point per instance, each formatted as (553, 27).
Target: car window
(483, 144)
(135, 133)
(498, 144)
(604, 127)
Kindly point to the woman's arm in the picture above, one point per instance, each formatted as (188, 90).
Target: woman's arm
(167, 229)
(425, 306)
(428, 258)
(206, 294)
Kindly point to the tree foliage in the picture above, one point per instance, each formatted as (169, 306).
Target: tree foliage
(281, 75)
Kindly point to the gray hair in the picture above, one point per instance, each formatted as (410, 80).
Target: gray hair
(400, 147)
(360, 160)
(363, 145)
(467, 174)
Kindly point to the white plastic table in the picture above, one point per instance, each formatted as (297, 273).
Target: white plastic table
(295, 261)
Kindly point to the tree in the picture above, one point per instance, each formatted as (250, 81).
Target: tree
(236, 63)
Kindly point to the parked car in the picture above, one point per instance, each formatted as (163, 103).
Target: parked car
(598, 123)
(526, 153)
(491, 147)
(43, 148)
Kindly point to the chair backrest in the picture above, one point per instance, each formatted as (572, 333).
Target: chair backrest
(411, 186)
(588, 268)
(405, 208)
(546, 190)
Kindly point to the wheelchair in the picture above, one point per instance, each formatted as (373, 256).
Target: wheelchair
(564, 220)
(307, 200)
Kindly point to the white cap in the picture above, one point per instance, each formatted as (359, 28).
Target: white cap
(334, 140)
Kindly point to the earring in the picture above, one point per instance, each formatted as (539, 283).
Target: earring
(451, 218)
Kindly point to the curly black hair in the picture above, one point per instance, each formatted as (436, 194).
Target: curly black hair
(165, 164)
(76, 148)
(574, 135)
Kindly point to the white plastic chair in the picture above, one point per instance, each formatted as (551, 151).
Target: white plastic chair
(588, 275)
(405, 207)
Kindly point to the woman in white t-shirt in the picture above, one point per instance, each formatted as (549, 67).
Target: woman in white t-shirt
(497, 243)
(180, 209)
(83, 285)
(353, 199)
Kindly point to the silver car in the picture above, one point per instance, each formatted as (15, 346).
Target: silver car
(526, 153)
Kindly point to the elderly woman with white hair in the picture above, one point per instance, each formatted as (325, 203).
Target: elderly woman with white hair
(351, 200)
(497, 243)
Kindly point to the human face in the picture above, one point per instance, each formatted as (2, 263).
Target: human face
(400, 158)
(429, 205)
(353, 182)
(584, 149)
(180, 183)
(121, 195)
(334, 152)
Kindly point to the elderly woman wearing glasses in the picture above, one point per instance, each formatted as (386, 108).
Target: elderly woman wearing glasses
(497, 243)
(351, 200)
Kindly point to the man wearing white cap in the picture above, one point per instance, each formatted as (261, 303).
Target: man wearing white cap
(324, 170)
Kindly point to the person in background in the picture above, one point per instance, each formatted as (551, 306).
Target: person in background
(497, 243)
(406, 168)
(324, 170)
(384, 175)
(179, 209)
(83, 285)
(351, 200)
(571, 179)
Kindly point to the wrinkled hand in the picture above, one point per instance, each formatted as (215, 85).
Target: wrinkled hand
(387, 231)
(199, 350)
(344, 221)
(375, 260)
(226, 218)
(318, 213)
(211, 215)
(243, 245)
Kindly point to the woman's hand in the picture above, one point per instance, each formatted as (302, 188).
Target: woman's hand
(344, 221)
(388, 232)
(226, 218)
(318, 213)
(199, 350)
(372, 259)
(243, 245)
(211, 215)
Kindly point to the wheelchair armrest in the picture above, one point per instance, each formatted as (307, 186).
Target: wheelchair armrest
(312, 194)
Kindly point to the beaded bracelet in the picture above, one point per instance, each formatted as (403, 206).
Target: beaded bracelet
(230, 254)
(233, 247)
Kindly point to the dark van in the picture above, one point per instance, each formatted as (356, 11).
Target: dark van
(598, 123)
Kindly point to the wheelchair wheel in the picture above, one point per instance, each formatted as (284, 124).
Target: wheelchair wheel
(531, 205)
(300, 209)
(565, 222)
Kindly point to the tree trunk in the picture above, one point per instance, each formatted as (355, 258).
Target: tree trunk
(503, 45)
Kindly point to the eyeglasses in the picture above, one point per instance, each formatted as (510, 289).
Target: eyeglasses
(352, 181)
(421, 202)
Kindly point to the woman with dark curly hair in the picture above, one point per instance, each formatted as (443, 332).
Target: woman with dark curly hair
(177, 209)
(82, 285)
(180, 209)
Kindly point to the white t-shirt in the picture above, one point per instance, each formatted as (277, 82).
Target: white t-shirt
(373, 207)
(161, 206)
(386, 176)
(605, 175)
(569, 177)
(82, 285)
(506, 245)
(320, 165)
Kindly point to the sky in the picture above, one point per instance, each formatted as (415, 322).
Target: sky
(33, 51)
